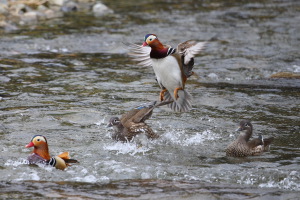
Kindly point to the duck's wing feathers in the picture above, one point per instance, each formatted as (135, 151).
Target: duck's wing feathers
(141, 128)
(127, 116)
(138, 114)
(36, 159)
(255, 142)
(146, 111)
(189, 49)
(139, 53)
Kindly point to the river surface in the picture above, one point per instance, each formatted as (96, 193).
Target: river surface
(64, 78)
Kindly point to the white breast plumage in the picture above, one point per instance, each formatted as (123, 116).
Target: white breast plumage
(167, 71)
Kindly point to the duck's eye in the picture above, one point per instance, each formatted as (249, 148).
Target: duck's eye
(38, 140)
(246, 125)
(151, 38)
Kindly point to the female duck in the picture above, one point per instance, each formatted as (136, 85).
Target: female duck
(243, 146)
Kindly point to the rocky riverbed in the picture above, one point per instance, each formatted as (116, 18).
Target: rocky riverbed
(28, 12)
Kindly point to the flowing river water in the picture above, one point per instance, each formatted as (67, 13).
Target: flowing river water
(64, 78)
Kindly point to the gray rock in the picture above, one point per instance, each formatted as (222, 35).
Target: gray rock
(57, 2)
(30, 17)
(70, 7)
(18, 9)
(100, 9)
(2, 23)
(41, 8)
(3, 9)
(52, 14)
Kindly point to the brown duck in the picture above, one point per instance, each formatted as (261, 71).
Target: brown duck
(243, 146)
(133, 123)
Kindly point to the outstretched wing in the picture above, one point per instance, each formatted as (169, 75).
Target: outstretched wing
(145, 111)
(189, 49)
(140, 54)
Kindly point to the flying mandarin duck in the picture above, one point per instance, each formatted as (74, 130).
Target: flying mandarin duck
(172, 67)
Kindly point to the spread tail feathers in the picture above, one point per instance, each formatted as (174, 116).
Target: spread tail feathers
(71, 161)
(267, 143)
(183, 102)
(66, 157)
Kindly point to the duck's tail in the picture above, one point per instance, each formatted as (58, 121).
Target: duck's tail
(267, 142)
(66, 157)
(182, 104)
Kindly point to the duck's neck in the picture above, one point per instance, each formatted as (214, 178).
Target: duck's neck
(42, 151)
(119, 128)
(246, 134)
(119, 132)
(158, 50)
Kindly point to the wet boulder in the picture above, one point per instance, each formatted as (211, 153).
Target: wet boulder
(100, 9)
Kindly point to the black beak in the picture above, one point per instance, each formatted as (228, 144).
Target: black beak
(109, 125)
(239, 129)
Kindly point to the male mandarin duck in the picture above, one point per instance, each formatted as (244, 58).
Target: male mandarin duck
(171, 66)
(41, 154)
(133, 123)
(242, 146)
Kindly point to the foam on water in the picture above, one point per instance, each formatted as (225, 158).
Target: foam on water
(296, 68)
(16, 163)
(291, 182)
(31, 175)
(130, 148)
(101, 122)
(182, 138)
(199, 138)
(88, 179)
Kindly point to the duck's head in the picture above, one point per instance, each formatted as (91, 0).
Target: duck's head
(114, 121)
(245, 125)
(37, 141)
(40, 145)
(150, 40)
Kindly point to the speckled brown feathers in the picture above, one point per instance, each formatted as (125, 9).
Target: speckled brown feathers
(133, 123)
(243, 146)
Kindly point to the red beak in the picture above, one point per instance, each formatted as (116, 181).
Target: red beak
(30, 144)
(144, 44)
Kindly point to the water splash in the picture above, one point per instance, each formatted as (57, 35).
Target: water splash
(182, 138)
(199, 138)
(130, 148)
(291, 182)
(31, 175)
(16, 163)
